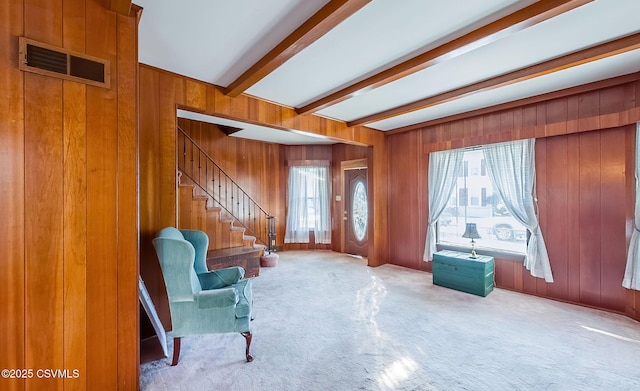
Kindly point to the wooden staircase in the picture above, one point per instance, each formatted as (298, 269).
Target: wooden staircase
(228, 243)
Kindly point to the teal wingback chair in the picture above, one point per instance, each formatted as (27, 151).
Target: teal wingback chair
(201, 301)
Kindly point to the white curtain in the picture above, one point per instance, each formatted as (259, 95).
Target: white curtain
(444, 167)
(632, 273)
(511, 168)
(308, 190)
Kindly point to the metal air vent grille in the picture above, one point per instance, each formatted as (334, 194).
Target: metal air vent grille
(49, 60)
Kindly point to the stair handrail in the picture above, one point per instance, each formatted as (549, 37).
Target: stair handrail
(262, 228)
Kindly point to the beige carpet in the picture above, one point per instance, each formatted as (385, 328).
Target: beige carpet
(325, 321)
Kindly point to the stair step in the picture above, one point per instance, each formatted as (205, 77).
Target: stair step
(249, 240)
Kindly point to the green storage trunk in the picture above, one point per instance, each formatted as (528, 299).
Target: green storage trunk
(459, 271)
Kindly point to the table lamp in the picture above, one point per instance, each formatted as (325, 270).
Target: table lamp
(471, 232)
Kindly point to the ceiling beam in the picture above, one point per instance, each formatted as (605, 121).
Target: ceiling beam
(598, 85)
(323, 21)
(594, 53)
(122, 7)
(499, 29)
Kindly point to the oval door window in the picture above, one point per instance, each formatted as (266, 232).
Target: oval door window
(359, 214)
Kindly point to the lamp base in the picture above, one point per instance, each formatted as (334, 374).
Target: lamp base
(473, 254)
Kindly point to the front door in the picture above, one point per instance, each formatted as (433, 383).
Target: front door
(356, 213)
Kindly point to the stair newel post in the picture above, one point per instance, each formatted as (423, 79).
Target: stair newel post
(271, 234)
(259, 227)
(266, 233)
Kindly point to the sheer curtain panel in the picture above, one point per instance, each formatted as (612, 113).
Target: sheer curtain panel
(444, 167)
(308, 205)
(511, 167)
(631, 278)
(322, 223)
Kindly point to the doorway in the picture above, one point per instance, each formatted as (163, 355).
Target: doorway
(356, 211)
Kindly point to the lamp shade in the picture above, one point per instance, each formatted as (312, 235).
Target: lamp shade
(471, 232)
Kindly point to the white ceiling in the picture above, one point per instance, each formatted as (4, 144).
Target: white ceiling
(216, 41)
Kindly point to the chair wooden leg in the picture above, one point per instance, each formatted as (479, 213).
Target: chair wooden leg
(176, 351)
(247, 335)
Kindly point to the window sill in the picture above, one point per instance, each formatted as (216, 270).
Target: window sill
(497, 254)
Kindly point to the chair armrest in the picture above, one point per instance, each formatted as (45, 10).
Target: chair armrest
(220, 278)
(217, 298)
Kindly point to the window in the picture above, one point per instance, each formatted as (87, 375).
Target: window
(308, 205)
(463, 196)
(360, 212)
(477, 203)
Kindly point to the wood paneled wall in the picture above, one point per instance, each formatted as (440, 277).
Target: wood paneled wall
(68, 185)
(408, 187)
(584, 162)
(584, 190)
(161, 92)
